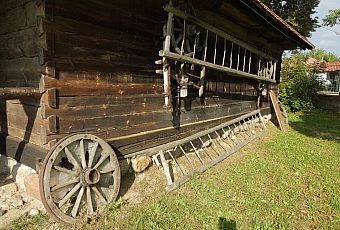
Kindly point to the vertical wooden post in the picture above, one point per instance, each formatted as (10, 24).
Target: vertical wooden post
(215, 53)
(238, 57)
(166, 66)
(202, 74)
(231, 55)
(224, 52)
(244, 60)
(259, 67)
(249, 62)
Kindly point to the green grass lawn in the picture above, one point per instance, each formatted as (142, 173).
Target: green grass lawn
(280, 181)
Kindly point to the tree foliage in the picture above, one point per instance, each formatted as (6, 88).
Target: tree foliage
(318, 54)
(332, 18)
(299, 86)
(298, 13)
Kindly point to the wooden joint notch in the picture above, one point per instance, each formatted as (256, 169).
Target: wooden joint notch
(49, 100)
(52, 98)
(46, 83)
(49, 70)
(52, 123)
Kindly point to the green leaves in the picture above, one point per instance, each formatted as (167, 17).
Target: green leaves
(298, 13)
(299, 86)
(332, 18)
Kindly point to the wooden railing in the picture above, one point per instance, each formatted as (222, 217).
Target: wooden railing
(193, 41)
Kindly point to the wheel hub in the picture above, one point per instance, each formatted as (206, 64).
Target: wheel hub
(90, 176)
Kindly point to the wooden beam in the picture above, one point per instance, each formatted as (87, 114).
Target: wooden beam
(19, 92)
(228, 70)
(277, 110)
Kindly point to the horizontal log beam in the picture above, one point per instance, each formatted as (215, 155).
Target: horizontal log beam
(19, 92)
(228, 70)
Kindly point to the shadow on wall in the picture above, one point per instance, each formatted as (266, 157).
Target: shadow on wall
(318, 123)
(224, 224)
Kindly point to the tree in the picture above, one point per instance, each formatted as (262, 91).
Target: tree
(300, 84)
(318, 54)
(322, 55)
(332, 18)
(297, 13)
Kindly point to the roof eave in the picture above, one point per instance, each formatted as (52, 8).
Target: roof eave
(295, 36)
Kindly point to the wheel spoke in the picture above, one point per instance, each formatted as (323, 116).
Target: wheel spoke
(107, 170)
(64, 170)
(101, 197)
(188, 46)
(67, 183)
(93, 152)
(76, 205)
(71, 157)
(89, 201)
(109, 167)
(180, 36)
(68, 195)
(82, 153)
(101, 160)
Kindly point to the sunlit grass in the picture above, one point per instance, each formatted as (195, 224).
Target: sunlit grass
(280, 181)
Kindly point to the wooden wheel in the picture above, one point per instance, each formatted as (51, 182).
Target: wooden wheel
(191, 44)
(184, 35)
(78, 176)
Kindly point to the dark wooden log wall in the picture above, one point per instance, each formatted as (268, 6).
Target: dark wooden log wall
(20, 66)
(100, 58)
(94, 61)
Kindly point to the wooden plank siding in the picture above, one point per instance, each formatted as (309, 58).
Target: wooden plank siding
(94, 63)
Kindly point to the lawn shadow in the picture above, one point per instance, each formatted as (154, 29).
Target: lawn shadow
(321, 124)
(224, 224)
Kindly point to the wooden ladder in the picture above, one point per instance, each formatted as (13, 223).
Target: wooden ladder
(181, 160)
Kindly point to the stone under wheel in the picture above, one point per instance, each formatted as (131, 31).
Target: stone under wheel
(78, 176)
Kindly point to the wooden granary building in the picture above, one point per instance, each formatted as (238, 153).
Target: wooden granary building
(137, 74)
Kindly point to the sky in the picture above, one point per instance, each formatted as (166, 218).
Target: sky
(324, 38)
